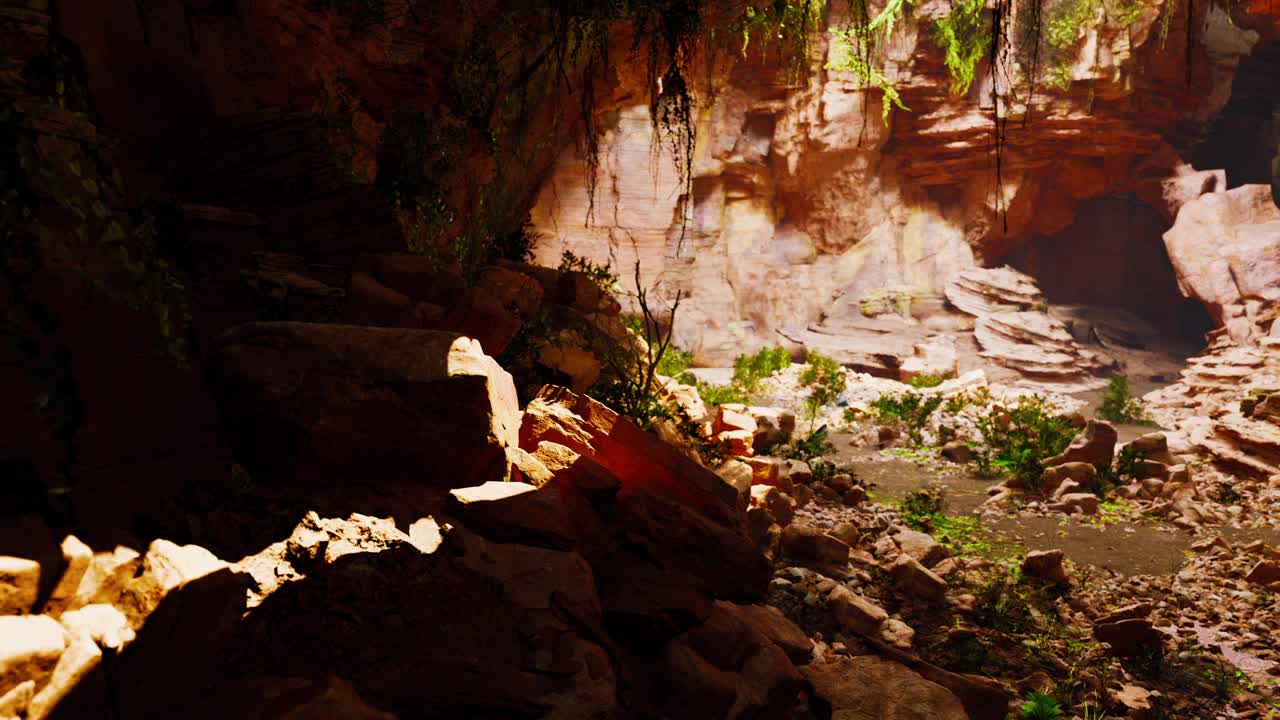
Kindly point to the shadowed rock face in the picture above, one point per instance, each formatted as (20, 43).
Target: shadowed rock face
(804, 201)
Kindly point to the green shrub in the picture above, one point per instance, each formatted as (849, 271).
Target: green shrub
(1039, 706)
(922, 382)
(824, 378)
(966, 38)
(674, 362)
(912, 409)
(815, 444)
(1017, 439)
(1119, 406)
(750, 370)
(720, 394)
(921, 505)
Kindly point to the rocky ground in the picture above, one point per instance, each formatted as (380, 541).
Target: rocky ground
(1157, 598)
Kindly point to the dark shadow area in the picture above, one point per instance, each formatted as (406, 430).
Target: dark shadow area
(1245, 131)
(1113, 256)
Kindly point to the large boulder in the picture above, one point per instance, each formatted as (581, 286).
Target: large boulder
(639, 460)
(725, 668)
(1225, 249)
(872, 688)
(1095, 445)
(333, 404)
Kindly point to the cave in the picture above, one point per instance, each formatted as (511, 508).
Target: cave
(643, 360)
(1250, 120)
(1113, 256)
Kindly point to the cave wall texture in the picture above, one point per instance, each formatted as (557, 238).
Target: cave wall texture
(805, 202)
(241, 149)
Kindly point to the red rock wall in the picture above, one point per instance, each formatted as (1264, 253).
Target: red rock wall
(805, 202)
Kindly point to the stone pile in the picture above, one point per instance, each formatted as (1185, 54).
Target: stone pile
(1014, 330)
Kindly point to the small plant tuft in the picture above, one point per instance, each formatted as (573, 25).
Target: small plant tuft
(1121, 407)
(1039, 706)
(824, 378)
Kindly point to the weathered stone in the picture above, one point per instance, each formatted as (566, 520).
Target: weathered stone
(105, 625)
(1086, 503)
(957, 451)
(773, 425)
(813, 548)
(771, 623)
(165, 568)
(738, 474)
(1128, 612)
(333, 403)
(15, 703)
(780, 506)
(516, 513)
(854, 612)
(1094, 445)
(76, 557)
(1084, 475)
(1129, 638)
(638, 460)
(898, 634)
(30, 646)
(871, 688)
(1266, 572)
(1046, 565)
(725, 667)
(107, 575)
(921, 546)
(80, 658)
(19, 585)
(916, 579)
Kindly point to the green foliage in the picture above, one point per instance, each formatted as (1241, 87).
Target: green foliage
(814, 445)
(922, 504)
(1039, 706)
(721, 394)
(965, 36)
(750, 370)
(824, 378)
(921, 382)
(1119, 406)
(911, 408)
(785, 24)
(853, 51)
(602, 275)
(674, 362)
(1016, 439)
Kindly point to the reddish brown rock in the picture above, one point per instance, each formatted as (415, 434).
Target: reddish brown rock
(324, 404)
(1094, 445)
(1046, 565)
(1129, 638)
(854, 612)
(639, 460)
(872, 687)
(725, 667)
(813, 548)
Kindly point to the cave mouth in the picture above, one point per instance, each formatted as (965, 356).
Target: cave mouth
(1113, 256)
(1249, 121)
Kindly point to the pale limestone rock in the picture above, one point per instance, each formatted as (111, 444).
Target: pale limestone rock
(107, 575)
(19, 585)
(30, 646)
(103, 624)
(76, 557)
(81, 657)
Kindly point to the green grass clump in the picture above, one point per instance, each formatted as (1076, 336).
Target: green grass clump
(750, 370)
(966, 38)
(721, 394)
(1039, 706)
(912, 409)
(674, 362)
(824, 378)
(925, 381)
(1121, 407)
(1017, 439)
